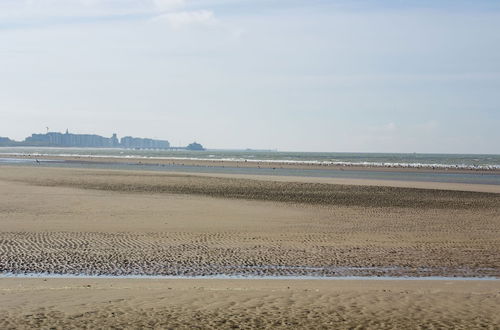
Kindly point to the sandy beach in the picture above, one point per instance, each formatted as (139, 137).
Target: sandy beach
(111, 222)
(119, 222)
(182, 164)
(245, 304)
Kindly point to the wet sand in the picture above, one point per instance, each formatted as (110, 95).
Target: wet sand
(73, 221)
(230, 304)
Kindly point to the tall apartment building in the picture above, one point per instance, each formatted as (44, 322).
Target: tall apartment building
(56, 139)
(141, 143)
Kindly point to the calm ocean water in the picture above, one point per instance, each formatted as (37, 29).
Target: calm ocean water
(472, 162)
(374, 159)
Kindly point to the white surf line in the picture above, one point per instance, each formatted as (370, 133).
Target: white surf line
(276, 161)
(244, 277)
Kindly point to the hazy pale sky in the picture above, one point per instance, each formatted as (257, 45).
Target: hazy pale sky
(311, 75)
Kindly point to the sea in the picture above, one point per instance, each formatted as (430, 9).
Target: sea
(478, 168)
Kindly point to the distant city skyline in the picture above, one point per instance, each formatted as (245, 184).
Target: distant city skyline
(88, 140)
(317, 75)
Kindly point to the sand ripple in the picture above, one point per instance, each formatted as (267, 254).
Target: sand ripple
(190, 254)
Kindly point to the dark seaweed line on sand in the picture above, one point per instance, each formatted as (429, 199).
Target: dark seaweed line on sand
(271, 271)
(300, 193)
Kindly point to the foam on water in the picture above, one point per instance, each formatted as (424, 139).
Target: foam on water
(440, 161)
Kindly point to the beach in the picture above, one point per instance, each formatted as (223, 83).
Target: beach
(245, 304)
(179, 164)
(101, 222)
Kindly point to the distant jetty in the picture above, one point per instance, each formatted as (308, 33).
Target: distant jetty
(70, 140)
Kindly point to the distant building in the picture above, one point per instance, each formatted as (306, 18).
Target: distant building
(5, 141)
(195, 146)
(141, 143)
(114, 141)
(56, 139)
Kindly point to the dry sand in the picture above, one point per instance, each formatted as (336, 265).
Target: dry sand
(117, 222)
(231, 304)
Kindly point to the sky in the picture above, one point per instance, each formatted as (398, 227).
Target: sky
(313, 75)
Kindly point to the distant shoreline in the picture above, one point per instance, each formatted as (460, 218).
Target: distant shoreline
(255, 163)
